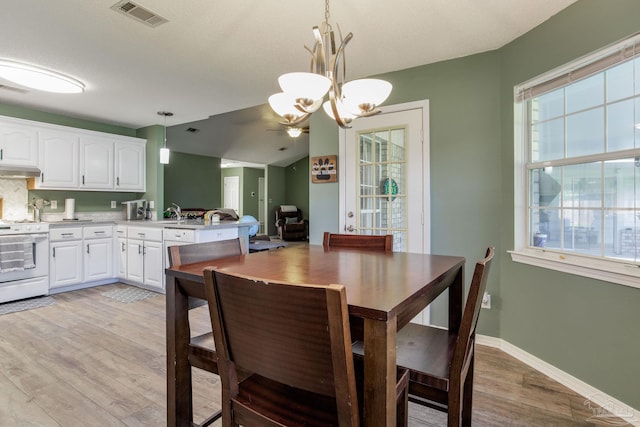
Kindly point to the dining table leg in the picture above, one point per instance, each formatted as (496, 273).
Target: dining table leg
(179, 405)
(380, 372)
(456, 292)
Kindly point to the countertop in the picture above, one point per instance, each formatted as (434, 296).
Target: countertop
(191, 224)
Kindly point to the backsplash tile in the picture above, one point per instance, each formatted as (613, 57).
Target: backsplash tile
(14, 196)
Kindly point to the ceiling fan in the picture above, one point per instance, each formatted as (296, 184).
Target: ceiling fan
(293, 131)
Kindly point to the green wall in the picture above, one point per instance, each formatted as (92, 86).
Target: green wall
(585, 327)
(191, 181)
(297, 181)
(276, 196)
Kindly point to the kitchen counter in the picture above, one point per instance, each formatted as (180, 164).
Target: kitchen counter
(190, 224)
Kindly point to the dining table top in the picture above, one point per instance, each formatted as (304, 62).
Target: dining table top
(378, 284)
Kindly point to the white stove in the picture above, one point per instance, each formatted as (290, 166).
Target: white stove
(24, 260)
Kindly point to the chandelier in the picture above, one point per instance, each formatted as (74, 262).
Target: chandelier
(304, 93)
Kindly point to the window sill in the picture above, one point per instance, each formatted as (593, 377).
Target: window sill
(621, 273)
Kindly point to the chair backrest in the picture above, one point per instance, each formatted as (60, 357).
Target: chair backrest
(358, 241)
(198, 252)
(467, 331)
(297, 214)
(305, 344)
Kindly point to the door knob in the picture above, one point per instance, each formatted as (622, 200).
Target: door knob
(350, 228)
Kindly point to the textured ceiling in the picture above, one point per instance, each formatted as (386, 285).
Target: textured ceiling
(216, 57)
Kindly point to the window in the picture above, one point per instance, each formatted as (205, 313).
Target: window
(578, 166)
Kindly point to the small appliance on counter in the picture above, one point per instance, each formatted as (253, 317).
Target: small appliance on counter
(136, 210)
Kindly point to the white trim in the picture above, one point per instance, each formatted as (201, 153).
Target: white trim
(627, 413)
(626, 274)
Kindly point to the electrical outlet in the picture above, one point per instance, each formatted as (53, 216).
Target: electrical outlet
(486, 301)
(152, 204)
(113, 204)
(54, 204)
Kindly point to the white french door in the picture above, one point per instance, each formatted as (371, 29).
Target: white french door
(385, 176)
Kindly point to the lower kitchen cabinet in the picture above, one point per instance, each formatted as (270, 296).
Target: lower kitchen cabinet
(65, 257)
(144, 260)
(98, 253)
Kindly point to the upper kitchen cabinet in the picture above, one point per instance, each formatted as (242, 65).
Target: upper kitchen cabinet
(18, 144)
(58, 159)
(76, 159)
(96, 163)
(130, 166)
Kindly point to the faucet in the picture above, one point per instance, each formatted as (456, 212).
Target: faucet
(175, 210)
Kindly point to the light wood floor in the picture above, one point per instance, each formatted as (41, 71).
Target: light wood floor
(89, 360)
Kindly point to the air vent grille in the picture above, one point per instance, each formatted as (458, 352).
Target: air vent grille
(139, 13)
(192, 130)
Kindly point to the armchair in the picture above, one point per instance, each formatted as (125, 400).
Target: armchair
(290, 223)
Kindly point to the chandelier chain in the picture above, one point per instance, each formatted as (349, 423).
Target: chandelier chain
(326, 13)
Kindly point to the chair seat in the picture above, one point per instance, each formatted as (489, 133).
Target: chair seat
(426, 351)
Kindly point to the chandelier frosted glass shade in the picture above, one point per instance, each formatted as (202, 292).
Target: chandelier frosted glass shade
(39, 78)
(364, 95)
(284, 105)
(343, 113)
(305, 88)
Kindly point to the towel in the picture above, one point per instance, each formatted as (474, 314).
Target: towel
(16, 253)
(288, 208)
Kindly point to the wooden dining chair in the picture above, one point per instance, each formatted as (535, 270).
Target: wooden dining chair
(298, 355)
(358, 241)
(202, 351)
(440, 361)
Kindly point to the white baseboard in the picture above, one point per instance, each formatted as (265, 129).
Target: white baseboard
(600, 399)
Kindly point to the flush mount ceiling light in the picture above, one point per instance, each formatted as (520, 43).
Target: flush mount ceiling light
(294, 132)
(164, 151)
(39, 78)
(303, 93)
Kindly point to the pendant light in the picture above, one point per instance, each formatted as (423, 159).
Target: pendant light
(164, 151)
(304, 93)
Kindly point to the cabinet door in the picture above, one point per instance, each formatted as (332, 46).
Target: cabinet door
(96, 163)
(153, 273)
(98, 259)
(135, 260)
(58, 159)
(65, 266)
(18, 145)
(121, 258)
(130, 166)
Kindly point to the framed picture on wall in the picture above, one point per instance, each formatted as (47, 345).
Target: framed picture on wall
(324, 169)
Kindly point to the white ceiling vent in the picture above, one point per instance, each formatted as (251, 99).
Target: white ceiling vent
(138, 13)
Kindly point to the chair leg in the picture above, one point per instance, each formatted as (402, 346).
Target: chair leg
(467, 395)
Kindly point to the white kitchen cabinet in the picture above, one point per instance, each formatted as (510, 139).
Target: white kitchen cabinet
(130, 166)
(144, 257)
(96, 163)
(120, 253)
(65, 259)
(98, 253)
(18, 144)
(58, 153)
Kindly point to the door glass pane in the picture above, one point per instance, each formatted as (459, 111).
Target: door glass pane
(383, 207)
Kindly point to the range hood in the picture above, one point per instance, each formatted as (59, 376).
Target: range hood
(14, 171)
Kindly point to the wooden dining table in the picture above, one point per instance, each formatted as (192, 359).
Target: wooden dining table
(385, 291)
